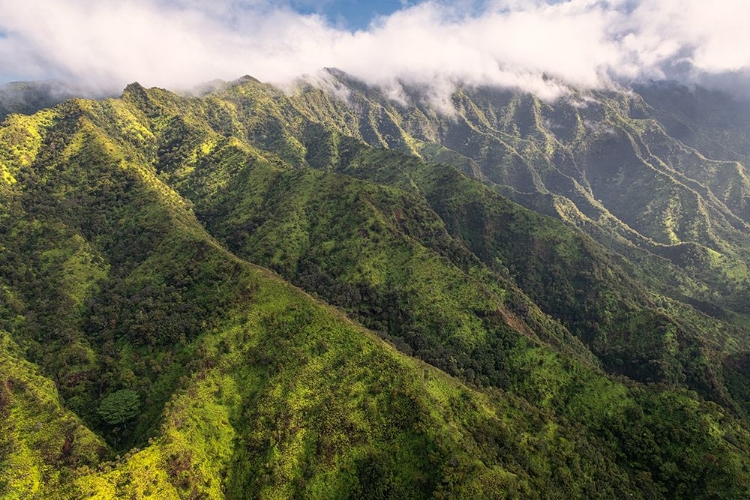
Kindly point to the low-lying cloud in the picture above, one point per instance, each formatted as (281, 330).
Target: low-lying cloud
(535, 45)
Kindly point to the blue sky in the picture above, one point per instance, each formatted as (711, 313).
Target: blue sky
(350, 14)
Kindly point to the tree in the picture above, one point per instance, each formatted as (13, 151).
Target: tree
(120, 406)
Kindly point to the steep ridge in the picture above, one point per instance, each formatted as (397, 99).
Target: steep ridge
(604, 156)
(248, 386)
(588, 289)
(245, 384)
(709, 121)
(294, 189)
(327, 149)
(283, 219)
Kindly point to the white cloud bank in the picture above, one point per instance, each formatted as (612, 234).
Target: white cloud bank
(509, 43)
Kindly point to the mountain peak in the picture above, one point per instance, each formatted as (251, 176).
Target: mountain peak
(134, 89)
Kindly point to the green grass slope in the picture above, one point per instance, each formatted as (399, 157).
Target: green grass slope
(354, 243)
(569, 276)
(167, 365)
(607, 158)
(245, 385)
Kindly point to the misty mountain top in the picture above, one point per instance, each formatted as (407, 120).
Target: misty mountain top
(673, 96)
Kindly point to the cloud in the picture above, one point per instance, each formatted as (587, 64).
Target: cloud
(534, 45)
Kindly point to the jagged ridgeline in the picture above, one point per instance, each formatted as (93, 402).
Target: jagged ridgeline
(421, 335)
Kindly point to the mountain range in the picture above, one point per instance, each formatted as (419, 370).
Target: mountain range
(331, 291)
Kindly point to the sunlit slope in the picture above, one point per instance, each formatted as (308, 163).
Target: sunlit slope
(247, 385)
(301, 223)
(129, 228)
(314, 228)
(607, 159)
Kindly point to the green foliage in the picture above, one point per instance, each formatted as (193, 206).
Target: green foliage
(130, 231)
(40, 439)
(118, 407)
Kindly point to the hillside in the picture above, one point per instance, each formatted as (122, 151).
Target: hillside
(261, 294)
(601, 161)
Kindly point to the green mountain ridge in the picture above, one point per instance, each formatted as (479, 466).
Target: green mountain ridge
(502, 353)
(526, 146)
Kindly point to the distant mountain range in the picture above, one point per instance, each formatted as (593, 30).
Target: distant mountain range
(324, 292)
(30, 97)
